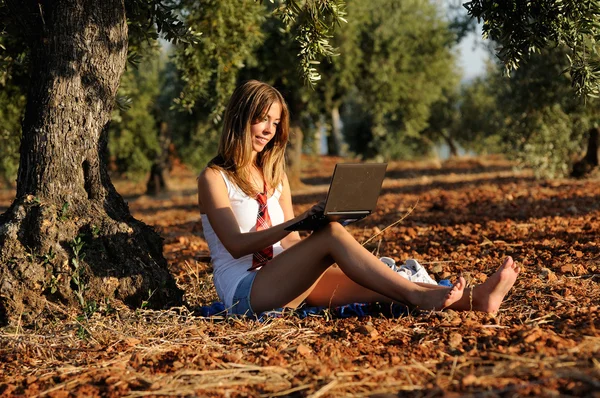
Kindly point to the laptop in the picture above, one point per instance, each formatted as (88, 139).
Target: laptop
(352, 196)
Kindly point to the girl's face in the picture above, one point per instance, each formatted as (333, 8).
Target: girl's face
(263, 131)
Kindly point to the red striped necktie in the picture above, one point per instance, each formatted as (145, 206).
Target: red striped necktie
(263, 221)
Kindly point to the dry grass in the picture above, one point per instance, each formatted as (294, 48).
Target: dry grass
(544, 341)
(174, 353)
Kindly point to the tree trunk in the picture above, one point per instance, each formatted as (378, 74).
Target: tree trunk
(334, 140)
(317, 138)
(294, 156)
(450, 143)
(157, 182)
(590, 160)
(68, 235)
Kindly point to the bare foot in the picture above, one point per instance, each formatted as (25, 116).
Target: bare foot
(488, 296)
(438, 299)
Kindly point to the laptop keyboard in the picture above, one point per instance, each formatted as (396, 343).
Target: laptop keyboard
(317, 216)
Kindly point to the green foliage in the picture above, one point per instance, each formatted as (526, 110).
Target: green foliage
(231, 31)
(394, 62)
(314, 21)
(533, 116)
(275, 61)
(13, 57)
(366, 138)
(273, 42)
(201, 79)
(553, 138)
(150, 18)
(95, 231)
(545, 122)
(48, 258)
(146, 302)
(133, 134)
(214, 40)
(199, 144)
(402, 63)
(470, 116)
(12, 106)
(479, 119)
(63, 213)
(525, 27)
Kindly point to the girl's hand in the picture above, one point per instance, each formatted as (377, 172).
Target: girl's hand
(319, 207)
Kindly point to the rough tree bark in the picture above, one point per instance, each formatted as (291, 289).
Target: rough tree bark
(69, 236)
(590, 161)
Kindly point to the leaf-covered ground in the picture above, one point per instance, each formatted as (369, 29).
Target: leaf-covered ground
(458, 217)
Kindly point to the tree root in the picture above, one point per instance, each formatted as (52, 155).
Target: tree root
(48, 254)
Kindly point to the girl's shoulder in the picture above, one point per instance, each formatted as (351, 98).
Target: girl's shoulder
(209, 174)
(212, 176)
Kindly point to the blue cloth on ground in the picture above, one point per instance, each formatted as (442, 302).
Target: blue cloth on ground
(345, 311)
(216, 308)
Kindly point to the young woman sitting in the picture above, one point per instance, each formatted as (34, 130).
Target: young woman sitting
(246, 204)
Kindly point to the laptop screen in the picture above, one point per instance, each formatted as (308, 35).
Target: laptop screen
(355, 188)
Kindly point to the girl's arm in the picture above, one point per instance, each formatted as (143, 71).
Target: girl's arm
(285, 200)
(214, 202)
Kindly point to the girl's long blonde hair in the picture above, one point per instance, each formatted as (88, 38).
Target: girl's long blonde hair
(249, 104)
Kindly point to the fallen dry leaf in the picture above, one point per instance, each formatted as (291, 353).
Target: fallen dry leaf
(469, 214)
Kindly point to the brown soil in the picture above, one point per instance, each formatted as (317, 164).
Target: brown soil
(457, 217)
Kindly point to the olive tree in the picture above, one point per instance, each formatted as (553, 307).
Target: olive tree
(69, 236)
(523, 28)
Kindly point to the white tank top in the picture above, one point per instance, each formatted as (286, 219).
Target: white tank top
(228, 271)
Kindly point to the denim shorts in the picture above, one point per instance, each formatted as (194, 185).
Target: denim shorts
(241, 297)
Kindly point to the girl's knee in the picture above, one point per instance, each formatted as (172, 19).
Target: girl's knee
(330, 234)
(334, 228)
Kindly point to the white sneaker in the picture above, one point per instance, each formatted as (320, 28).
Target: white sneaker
(419, 273)
(390, 262)
(411, 270)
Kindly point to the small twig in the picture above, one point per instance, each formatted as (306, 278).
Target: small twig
(42, 16)
(325, 389)
(378, 247)
(289, 391)
(471, 299)
(486, 241)
(453, 370)
(20, 318)
(541, 318)
(419, 365)
(392, 224)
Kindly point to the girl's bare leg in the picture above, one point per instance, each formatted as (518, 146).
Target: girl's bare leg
(291, 276)
(335, 288)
